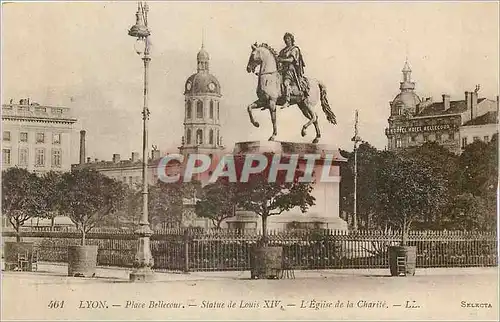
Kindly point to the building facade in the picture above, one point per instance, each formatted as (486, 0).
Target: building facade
(451, 123)
(36, 137)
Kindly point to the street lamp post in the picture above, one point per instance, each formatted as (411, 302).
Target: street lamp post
(356, 139)
(143, 259)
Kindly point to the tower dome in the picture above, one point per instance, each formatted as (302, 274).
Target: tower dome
(202, 82)
(407, 99)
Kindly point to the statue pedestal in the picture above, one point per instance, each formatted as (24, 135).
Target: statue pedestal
(325, 212)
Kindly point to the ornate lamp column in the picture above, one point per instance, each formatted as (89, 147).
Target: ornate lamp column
(143, 258)
(356, 139)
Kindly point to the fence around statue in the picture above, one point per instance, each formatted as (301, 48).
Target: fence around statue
(185, 250)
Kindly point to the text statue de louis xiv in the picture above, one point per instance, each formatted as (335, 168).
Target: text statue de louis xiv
(282, 83)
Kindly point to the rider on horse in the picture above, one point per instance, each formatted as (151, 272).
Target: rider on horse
(292, 70)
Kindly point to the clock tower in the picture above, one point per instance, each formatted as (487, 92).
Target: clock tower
(202, 95)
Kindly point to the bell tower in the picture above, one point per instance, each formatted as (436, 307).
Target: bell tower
(202, 96)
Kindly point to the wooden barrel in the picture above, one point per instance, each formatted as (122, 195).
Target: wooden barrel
(82, 260)
(266, 262)
(410, 255)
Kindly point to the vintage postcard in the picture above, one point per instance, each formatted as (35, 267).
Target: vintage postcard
(250, 160)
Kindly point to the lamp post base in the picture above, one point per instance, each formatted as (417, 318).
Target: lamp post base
(143, 258)
(143, 274)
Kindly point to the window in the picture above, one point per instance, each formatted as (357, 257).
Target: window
(413, 138)
(452, 135)
(464, 142)
(475, 138)
(6, 156)
(486, 138)
(39, 157)
(199, 136)
(40, 109)
(218, 111)
(124, 179)
(211, 137)
(438, 137)
(188, 136)
(189, 109)
(199, 109)
(23, 137)
(40, 137)
(130, 180)
(56, 138)
(426, 138)
(6, 135)
(218, 138)
(23, 156)
(399, 143)
(211, 109)
(57, 110)
(56, 158)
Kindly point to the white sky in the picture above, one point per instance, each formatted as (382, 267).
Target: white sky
(54, 51)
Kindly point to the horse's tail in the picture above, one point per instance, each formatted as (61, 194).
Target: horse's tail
(324, 104)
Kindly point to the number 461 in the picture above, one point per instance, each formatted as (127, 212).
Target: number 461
(56, 304)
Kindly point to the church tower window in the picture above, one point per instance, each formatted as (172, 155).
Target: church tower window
(188, 136)
(211, 137)
(199, 109)
(189, 108)
(199, 136)
(211, 109)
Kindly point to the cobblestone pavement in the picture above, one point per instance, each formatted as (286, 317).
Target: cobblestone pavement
(432, 294)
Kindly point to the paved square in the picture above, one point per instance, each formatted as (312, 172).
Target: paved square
(465, 294)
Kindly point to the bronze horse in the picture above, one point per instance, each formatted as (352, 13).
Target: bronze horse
(269, 91)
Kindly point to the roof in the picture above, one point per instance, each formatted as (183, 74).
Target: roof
(487, 118)
(199, 83)
(437, 108)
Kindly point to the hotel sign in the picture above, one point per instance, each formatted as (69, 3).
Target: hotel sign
(419, 129)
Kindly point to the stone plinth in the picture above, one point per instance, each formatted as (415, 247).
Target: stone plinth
(325, 212)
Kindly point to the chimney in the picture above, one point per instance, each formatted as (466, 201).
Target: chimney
(82, 147)
(155, 154)
(116, 158)
(467, 100)
(473, 104)
(446, 101)
(88, 159)
(135, 156)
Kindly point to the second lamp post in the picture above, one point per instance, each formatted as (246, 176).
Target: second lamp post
(143, 259)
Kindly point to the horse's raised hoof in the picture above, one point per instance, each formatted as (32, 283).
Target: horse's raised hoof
(256, 124)
(303, 132)
(316, 140)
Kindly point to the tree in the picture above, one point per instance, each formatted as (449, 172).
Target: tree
(166, 202)
(51, 182)
(367, 164)
(407, 190)
(88, 197)
(469, 212)
(22, 197)
(218, 201)
(478, 170)
(273, 198)
(442, 163)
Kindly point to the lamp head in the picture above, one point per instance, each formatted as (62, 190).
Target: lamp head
(139, 30)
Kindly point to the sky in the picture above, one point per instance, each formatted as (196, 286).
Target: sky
(79, 55)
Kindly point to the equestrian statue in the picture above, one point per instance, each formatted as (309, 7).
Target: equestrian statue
(282, 83)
